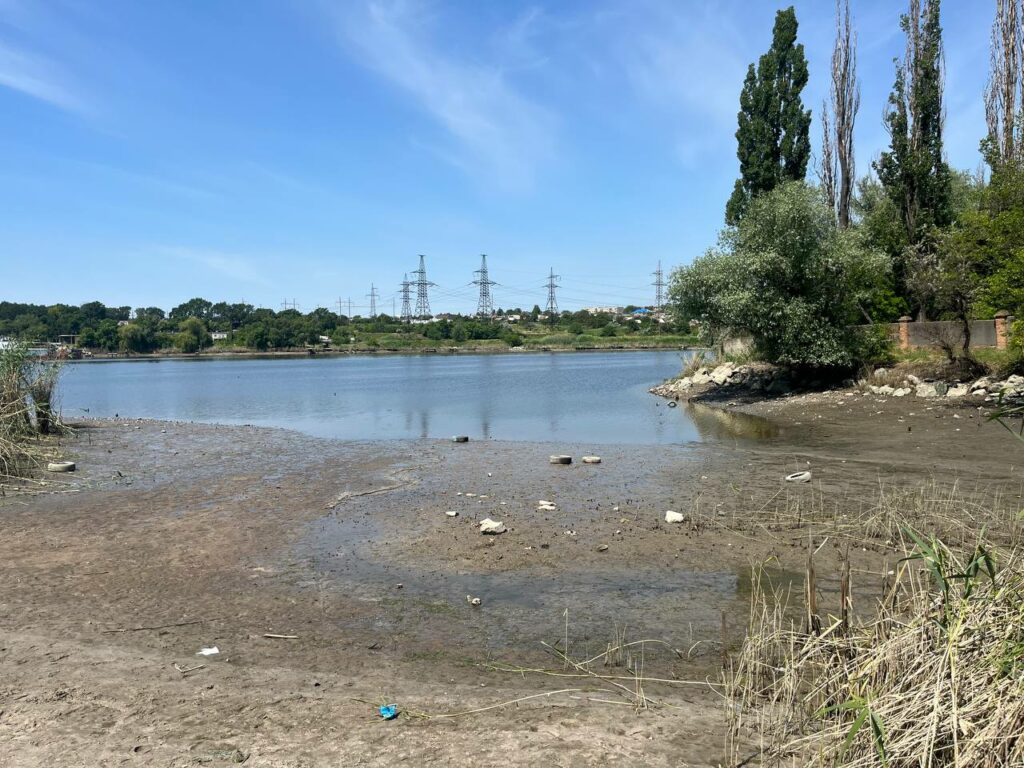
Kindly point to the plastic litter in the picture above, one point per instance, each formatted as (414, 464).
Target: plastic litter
(673, 517)
(213, 650)
(389, 711)
(473, 600)
(452, 513)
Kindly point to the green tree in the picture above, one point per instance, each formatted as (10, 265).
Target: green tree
(772, 141)
(192, 336)
(787, 277)
(913, 171)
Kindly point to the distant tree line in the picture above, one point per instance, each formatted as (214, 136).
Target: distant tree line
(189, 327)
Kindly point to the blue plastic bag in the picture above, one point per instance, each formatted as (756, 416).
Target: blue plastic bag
(389, 711)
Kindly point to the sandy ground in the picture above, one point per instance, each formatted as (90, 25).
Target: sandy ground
(173, 537)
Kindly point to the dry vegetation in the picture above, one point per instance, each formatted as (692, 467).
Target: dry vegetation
(27, 414)
(931, 675)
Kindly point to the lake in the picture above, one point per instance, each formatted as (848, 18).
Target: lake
(577, 397)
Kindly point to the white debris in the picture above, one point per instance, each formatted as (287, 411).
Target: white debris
(473, 600)
(213, 650)
(452, 513)
(799, 477)
(492, 526)
(674, 517)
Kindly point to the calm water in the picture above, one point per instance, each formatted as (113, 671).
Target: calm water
(587, 398)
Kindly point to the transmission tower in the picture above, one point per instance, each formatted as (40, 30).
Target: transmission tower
(659, 288)
(422, 299)
(485, 306)
(293, 304)
(372, 296)
(552, 307)
(406, 300)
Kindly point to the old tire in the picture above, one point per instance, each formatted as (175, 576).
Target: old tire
(460, 439)
(560, 459)
(799, 477)
(60, 466)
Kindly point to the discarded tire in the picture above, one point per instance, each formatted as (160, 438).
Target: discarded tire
(591, 459)
(561, 459)
(460, 439)
(60, 466)
(672, 403)
(799, 477)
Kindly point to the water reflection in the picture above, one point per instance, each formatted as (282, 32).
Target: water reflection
(584, 398)
(718, 424)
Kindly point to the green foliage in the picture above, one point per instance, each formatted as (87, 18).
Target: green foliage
(788, 277)
(773, 143)
(913, 172)
(192, 336)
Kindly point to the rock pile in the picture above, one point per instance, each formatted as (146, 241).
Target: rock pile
(769, 380)
(986, 388)
(764, 379)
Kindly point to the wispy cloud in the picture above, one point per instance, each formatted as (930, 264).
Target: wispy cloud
(684, 60)
(37, 77)
(496, 132)
(231, 265)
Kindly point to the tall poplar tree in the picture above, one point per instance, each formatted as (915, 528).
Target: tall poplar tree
(914, 172)
(837, 171)
(773, 141)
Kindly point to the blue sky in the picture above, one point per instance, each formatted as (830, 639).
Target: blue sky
(265, 149)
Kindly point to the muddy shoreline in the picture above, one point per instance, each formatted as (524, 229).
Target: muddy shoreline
(175, 536)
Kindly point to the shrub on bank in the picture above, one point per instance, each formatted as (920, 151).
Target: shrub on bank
(787, 278)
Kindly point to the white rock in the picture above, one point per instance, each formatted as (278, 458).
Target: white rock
(901, 392)
(452, 513)
(673, 517)
(913, 379)
(960, 390)
(885, 389)
(926, 390)
(493, 527)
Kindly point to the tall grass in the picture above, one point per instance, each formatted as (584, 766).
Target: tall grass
(934, 678)
(27, 387)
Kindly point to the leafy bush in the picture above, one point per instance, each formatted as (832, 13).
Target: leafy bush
(788, 278)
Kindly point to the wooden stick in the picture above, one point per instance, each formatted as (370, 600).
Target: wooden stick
(281, 637)
(161, 626)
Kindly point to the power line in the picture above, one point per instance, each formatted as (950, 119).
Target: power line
(659, 288)
(552, 307)
(422, 298)
(406, 300)
(484, 305)
(372, 296)
(293, 304)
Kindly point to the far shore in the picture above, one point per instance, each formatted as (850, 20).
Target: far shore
(306, 353)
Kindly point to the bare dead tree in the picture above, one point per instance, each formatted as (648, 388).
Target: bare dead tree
(827, 161)
(845, 103)
(837, 169)
(1003, 96)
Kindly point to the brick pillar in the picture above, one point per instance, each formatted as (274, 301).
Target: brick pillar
(1002, 321)
(904, 332)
